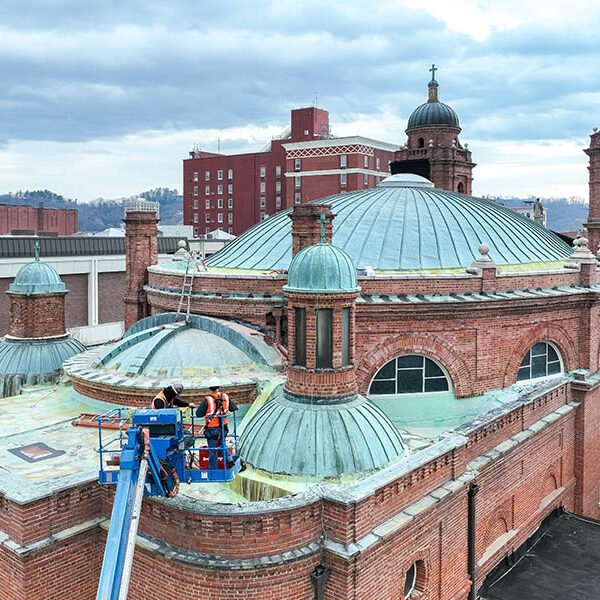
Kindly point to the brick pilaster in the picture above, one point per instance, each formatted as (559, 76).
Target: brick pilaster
(593, 223)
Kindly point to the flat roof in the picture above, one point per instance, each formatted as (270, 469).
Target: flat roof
(559, 561)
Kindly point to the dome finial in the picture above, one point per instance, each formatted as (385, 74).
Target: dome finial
(36, 250)
(433, 86)
(322, 220)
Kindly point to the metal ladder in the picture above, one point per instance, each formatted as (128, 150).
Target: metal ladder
(187, 287)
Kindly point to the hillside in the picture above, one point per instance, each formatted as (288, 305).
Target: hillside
(101, 213)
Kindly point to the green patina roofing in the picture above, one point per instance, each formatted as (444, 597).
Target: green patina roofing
(157, 346)
(319, 440)
(37, 278)
(322, 268)
(31, 356)
(404, 229)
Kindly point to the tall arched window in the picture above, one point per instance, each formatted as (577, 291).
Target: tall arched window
(409, 374)
(542, 360)
(461, 187)
(421, 143)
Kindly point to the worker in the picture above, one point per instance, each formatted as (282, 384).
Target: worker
(214, 408)
(169, 397)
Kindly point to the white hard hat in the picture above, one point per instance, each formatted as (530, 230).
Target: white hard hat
(214, 382)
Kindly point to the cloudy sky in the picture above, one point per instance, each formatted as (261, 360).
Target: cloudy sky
(105, 98)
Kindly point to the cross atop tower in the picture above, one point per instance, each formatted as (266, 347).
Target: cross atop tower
(36, 250)
(322, 220)
(432, 71)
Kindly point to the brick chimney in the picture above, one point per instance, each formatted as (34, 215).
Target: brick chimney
(306, 227)
(593, 223)
(141, 251)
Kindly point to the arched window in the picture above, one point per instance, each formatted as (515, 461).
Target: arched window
(461, 187)
(542, 360)
(410, 581)
(409, 374)
(421, 143)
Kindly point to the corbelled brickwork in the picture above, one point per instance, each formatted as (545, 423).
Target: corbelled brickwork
(37, 316)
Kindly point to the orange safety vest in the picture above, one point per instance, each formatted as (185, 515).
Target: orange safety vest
(215, 415)
(160, 396)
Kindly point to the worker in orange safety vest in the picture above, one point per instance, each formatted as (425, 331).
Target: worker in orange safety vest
(215, 408)
(169, 397)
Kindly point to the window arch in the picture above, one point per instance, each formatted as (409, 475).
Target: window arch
(541, 360)
(421, 143)
(461, 187)
(409, 374)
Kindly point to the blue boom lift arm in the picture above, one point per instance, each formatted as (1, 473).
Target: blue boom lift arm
(151, 458)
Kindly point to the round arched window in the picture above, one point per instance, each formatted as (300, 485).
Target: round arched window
(410, 581)
(542, 360)
(409, 374)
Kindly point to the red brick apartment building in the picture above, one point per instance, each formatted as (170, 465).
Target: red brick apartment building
(38, 219)
(306, 163)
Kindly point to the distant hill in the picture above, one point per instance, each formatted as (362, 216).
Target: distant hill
(564, 214)
(101, 214)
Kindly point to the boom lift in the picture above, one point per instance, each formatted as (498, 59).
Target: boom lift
(150, 456)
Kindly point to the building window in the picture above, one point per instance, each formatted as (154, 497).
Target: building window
(195, 190)
(297, 182)
(230, 230)
(207, 176)
(207, 189)
(195, 232)
(343, 179)
(377, 163)
(343, 161)
(297, 198)
(263, 172)
(230, 203)
(195, 204)
(230, 174)
(278, 171)
(461, 189)
(219, 189)
(207, 218)
(220, 174)
(365, 179)
(263, 202)
(220, 203)
(196, 218)
(300, 336)
(230, 218)
(230, 188)
(263, 187)
(421, 143)
(278, 186)
(263, 216)
(277, 201)
(409, 374)
(219, 217)
(297, 164)
(345, 336)
(366, 161)
(542, 360)
(410, 581)
(207, 203)
(207, 230)
(195, 175)
(324, 358)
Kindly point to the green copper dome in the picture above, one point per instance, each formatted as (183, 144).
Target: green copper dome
(298, 438)
(37, 278)
(322, 269)
(432, 113)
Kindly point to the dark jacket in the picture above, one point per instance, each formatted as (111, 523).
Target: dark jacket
(172, 399)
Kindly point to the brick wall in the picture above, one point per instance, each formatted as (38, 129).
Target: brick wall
(111, 288)
(76, 302)
(37, 316)
(4, 305)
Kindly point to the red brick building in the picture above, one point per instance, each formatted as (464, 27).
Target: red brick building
(305, 163)
(61, 221)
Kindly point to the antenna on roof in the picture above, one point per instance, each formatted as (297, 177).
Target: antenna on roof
(316, 98)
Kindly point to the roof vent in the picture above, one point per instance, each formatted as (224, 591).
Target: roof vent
(405, 180)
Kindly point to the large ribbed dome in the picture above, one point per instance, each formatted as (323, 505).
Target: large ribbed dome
(403, 227)
(432, 113)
